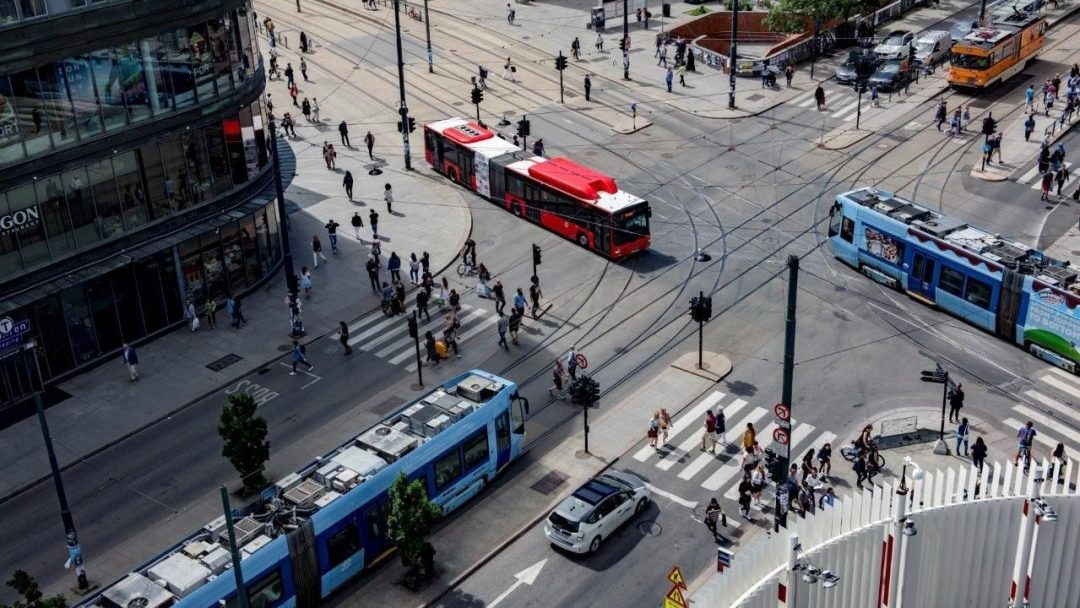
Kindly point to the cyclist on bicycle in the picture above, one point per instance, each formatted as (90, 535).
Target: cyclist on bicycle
(866, 441)
(468, 254)
(1024, 436)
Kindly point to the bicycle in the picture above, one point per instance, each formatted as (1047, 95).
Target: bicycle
(1024, 453)
(467, 270)
(852, 452)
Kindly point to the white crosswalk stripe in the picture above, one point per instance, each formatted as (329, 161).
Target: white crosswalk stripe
(1053, 408)
(1033, 177)
(388, 337)
(689, 419)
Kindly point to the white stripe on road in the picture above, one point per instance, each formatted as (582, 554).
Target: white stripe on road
(1054, 404)
(1068, 380)
(702, 460)
(643, 454)
(1047, 422)
(726, 473)
(1025, 178)
(463, 337)
(672, 456)
(400, 343)
(1041, 437)
(386, 324)
(845, 109)
(689, 504)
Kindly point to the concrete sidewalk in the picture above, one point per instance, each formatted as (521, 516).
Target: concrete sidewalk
(430, 215)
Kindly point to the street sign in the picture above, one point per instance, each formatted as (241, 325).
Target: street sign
(780, 436)
(675, 577)
(12, 332)
(582, 362)
(723, 559)
(935, 377)
(675, 597)
(782, 412)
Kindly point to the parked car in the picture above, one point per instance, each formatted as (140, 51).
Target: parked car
(895, 45)
(595, 510)
(961, 29)
(891, 75)
(933, 47)
(857, 62)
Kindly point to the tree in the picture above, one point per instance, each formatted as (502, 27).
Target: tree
(27, 587)
(245, 444)
(409, 522)
(790, 16)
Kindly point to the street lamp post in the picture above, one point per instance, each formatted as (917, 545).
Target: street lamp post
(427, 31)
(404, 110)
(71, 535)
(626, 39)
(733, 52)
(234, 550)
(789, 378)
(286, 248)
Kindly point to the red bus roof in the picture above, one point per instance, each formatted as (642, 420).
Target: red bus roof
(468, 133)
(572, 178)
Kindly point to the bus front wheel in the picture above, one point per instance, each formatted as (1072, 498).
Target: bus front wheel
(582, 239)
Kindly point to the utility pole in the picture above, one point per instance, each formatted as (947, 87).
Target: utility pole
(585, 392)
(734, 52)
(286, 248)
(939, 376)
(414, 333)
(560, 65)
(626, 39)
(789, 379)
(813, 47)
(858, 111)
(427, 30)
(404, 110)
(982, 11)
(71, 536)
(298, 6)
(238, 574)
(536, 262)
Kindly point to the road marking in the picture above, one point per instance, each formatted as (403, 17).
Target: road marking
(386, 323)
(525, 577)
(316, 378)
(1068, 378)
(1047, 422)
(845, 109)
(669, 459)
(689, 504)
(1054, 404)
(1039, 435)
(694, 414)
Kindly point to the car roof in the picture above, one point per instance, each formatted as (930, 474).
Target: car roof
(898, 33)
(594, 491)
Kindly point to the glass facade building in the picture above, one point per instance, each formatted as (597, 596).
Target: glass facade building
(134, 174)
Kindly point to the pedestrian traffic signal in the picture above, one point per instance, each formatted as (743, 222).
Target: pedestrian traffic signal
(477, 95)
(622, 43)
(701, 308)
(523, 127)
(592, 391)
(560, 62)
(414, 331)
(577, 393)
(536, 254)
(989, 126)
(399, 126)
(412, 124)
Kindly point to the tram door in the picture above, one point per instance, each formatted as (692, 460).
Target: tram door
(921, 278)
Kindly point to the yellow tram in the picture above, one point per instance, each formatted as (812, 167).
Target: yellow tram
(991, 55)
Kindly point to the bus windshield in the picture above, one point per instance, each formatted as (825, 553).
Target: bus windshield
(963, 60)
(631, 224)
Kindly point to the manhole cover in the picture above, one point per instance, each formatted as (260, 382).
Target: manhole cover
(884, 146)
(667, 155)
(224, 362)
(766, 220)
(459, 103)
(510, 113)
(487, 243)
(1076, 252)
(549, 483)
(755, 97)
(731, 167)
(387, 405)
(650, 528)
(284, 347)
(526, 37)
(590, 153)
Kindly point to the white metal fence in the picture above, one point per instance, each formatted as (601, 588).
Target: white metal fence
(970, 534)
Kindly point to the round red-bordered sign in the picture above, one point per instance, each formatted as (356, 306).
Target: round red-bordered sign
(782, 412)
(582, 362)
(780, 436)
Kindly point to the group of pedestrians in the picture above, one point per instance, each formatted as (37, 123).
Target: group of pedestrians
(1054, 171)
(684, 60)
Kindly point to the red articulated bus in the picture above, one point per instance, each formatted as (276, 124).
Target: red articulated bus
(566, 198)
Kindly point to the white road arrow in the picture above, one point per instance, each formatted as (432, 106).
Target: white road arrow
(525, 577)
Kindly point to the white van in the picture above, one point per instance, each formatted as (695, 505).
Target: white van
(933, 47)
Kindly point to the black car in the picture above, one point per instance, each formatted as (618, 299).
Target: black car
(890, 76)
(857, 66)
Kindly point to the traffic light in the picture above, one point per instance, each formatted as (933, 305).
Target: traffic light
(477, 95)
(399, 126)
(706, 308)
(412, 124)
(694, 307)
(777, 467)
(989, 126)
(536, 254)
(523, 127)
(701, 308)
(560, 62)
(577, 393)
(592, 391)
(414, 331)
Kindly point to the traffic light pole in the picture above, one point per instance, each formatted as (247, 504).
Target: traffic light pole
(279, 189)
(559, 62)
(626, 40)
(734, 51)
(789, 371)
(700, 334)
(401, 85)
(944, 398)
(416, 339)
(858, 109)
(427, 31)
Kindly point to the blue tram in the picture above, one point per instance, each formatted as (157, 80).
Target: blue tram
(1006, 288)
(313, 530)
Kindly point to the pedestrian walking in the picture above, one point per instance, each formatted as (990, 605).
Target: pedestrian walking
(1061, 177)
(509, 14)
(509, 71)
(708, 438)
(331, 157)
(131, 360)
(343, 337)
(1047, 182)
(665, 424)
(514, 325)
(749, 437)
(343, 129)
(331, 231)
(965, 118)
(230, 310)
(1057, 464)
(682, 74)
(289, 80)
(303, 47)
(519, 301)
(744, 499)
(269, 103)
(978, 454)
(721, 425)
(450, 337)
(713, 515)
(599, 42)
(500, 296)
(369, 141)
(238, 314)
(963, 430)
(393, 264)
(388, 196)
(503, 325)
(995, 146)
(373, 219)
(1029, 127)
(663, 57)
(347, 183)
(1029, 97)
(372, 267)
(422, 298)
(575, 49)
(356, 221)
(315, 110)
(414, 269)
(316, 250)
(824, 458)
(941, 114)
(535, 294)
(819, 97)
(653, 432)
(210, 310)
(956, 402)
(875, 98)
(298, 357)
(789, 73)
(305, 281)
(588, 88)
(859, 467)
(294, 91)
(669, 77)
(288, 124)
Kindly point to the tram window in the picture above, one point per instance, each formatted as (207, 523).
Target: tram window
(447, 469)
(264, 593)
(978, 293)
(517, 415)
(375, 520)
(835, 216)
(847, 230)
(476, 451)
(951, 281)
(502, 432)
(343, 544)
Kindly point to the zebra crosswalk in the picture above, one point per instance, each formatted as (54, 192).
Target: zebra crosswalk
(1054, 407)
(1034, 178)
(388, 337)
(842, 104)
(720, 471)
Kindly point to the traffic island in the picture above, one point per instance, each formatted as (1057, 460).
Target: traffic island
(998, 172)
(714, 366)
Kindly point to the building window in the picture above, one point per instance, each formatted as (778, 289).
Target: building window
(213, 266)
(476, 451)
(218, 159)
(233, 256)
(84, 98)
(219, 53)
(148, 277)
(191, 266)
(130, 186)
(50, 322)
(80, 328)
(202, 61)
(8, 13)
(10, 258)
(99, 298)
(54, 214)
(158, 83)
(154, 175)
(109, 83)
(126, 294)
(131, 73)
(11, 148)
(106, 200)
(252, 267)
(174, 56)
(25, 217)
(197, 167)
(81, 207)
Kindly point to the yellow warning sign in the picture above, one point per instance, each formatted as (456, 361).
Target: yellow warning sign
(675, 598)
(675, 577)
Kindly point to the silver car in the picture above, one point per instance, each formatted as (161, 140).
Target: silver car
(595, 510)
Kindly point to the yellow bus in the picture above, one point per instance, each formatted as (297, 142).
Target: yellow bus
(991, 55)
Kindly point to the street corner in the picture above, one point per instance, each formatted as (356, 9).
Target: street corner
(991, 173)
(714, 366)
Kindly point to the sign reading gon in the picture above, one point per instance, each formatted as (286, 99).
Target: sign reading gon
(19, 220)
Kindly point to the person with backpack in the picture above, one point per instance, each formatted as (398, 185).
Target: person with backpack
(962, 432)
(429, 346)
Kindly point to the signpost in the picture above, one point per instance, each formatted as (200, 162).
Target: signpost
(940, 376)
(675, 597)
(723, 559)
(12, 332)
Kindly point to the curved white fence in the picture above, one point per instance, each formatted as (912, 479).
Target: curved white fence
(974, 536)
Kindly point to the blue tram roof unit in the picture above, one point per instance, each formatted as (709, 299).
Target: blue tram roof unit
(373, 457)
(970, 243)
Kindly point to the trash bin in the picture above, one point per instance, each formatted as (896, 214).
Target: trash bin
(598, 18)
(665, 9)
